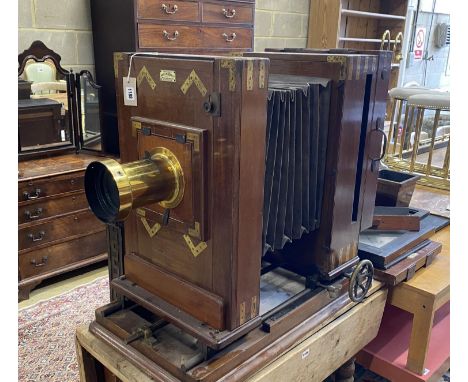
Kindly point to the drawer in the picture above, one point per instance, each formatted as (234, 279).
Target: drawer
(41, 188)
(57, 256)
(167, 36)
(51, 207)
(228, 13)
(58, 229)
(227, 37)
(169, 10)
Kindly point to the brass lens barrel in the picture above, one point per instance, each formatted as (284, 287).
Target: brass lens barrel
(113, 190)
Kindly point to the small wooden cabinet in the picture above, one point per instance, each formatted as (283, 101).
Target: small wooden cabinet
(56, 230)
(182, 26)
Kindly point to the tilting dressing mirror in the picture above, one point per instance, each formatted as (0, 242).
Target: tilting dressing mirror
(58, 110)
(89, 111)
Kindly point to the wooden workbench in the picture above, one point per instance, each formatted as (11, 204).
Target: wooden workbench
(313, 357)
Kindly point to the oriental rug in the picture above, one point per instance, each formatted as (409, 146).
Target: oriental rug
(46, 333)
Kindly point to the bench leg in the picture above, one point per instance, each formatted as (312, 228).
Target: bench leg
(420, 336)
(346, 372)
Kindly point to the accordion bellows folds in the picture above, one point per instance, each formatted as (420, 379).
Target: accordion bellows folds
(296, 144)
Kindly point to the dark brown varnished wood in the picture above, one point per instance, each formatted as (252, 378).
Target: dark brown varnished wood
(238, 361)
(405, 269)
(229, 13)
(53, 257)
(39, 52)
(196, 301)
(214, 338)
(153, 36)
(173, 10)
(227, 267)
(227, 37)
(26, 285)
(54, 165)
(59, 229)
(52, 205)
(33, 211)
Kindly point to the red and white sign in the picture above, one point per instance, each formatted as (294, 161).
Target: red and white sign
(419, 40)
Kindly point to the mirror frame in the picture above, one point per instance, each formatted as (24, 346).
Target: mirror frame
(87, 75)
(39, 52)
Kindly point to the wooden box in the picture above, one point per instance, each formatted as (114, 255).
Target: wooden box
(205, 259)
(40, 123)
(395, 188)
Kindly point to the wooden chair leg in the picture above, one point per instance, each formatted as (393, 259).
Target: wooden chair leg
(346, 372)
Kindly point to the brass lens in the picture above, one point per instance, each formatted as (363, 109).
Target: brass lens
(113, 190)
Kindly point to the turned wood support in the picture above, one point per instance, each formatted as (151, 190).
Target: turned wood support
(346, 372)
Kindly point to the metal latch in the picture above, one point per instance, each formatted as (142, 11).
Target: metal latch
(212, 105)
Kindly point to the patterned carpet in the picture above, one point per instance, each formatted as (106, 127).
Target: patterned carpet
(46, 333)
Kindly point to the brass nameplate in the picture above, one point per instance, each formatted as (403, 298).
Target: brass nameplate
(250, 70)
(151, 230)
(167, 76)
(195, 249)
(145, 74)
(193, 79)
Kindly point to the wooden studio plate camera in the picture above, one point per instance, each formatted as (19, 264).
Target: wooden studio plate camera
(235, 211)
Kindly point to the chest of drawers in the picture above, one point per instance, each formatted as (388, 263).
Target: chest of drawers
(182, 26)
(56, 231)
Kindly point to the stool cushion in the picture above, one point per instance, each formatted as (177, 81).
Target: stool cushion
(431, 101)
(404, 93)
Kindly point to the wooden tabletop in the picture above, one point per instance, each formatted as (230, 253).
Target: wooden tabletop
(60, 164)
(433, 281)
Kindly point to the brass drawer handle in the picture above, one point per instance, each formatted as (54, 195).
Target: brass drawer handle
(43, 262)
(35, 195)
(230, 38)
(229, 13)
(34, 215)
(39, 237)
(168, 10)
(167, 35)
